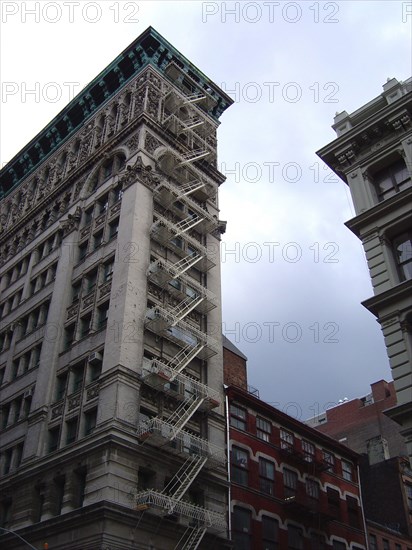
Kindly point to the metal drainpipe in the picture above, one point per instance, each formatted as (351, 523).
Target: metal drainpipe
(228, 464)
(363, 513)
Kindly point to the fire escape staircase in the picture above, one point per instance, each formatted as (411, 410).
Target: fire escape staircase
(174, 231)
(191, 538)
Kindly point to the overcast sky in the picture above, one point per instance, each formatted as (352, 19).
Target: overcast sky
(293, 276)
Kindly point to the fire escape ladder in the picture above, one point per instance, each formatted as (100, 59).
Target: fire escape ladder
(184, 356)
(186, 225)
(181, 416)
(191, 538)
(186, 263)
(191, 187)
(185, 307)
(183, 479)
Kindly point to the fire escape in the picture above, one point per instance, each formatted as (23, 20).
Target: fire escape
(181, 224)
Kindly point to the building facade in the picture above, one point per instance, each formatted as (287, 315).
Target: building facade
(291, 486)
(373, 156)
(362, 425)
(112, 418)
(385, 474)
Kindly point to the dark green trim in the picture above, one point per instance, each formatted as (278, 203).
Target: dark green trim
(150, 48)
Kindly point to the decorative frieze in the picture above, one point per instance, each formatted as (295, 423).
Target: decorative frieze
(74, 401)
(92, 392)
(57, 410)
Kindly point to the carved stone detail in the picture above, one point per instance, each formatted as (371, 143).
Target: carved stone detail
(57, 411)
(151, 143)
(74, 401)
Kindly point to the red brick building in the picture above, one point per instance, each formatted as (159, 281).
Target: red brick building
(291, 486)
(362, 425)
(385, 473)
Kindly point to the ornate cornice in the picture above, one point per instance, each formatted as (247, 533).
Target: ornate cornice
(149, 49)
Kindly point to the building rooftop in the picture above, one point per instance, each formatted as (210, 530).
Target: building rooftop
(150, 48)
(231, 347)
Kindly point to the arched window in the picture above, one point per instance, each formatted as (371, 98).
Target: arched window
(109, 168)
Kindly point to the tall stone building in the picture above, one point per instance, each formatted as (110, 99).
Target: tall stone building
(112, 425)
(373, 155)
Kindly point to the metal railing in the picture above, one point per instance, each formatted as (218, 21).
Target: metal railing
(204, 516)
(187, 442)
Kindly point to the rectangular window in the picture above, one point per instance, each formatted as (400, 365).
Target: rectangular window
(108, 271)
(76, 292)
(337, 545)
(391, 180)
(317, 542)
(385, 544)
(347, 470)
(103, 204)
(53, 439)
(295, 538)
(113, 228)
(85, 325)
(263, 428)
(19, 455)
(408, 490)
(71, 430)
(308, 451)
(90, 421)
(270, 533)
(77, 377)
(240, 465)
(90, 280)
(7, 461)
(83, 251)
(59, 484)
(286, 440)
(312, 488)
(403, 255)
(237, 417)
(102, 315)
(353, 512)
(329, 461)
(61, 386)
(290, 483)
(97, 240)
(88, 216)
(266, 476)
(333, 502)
(242, 528)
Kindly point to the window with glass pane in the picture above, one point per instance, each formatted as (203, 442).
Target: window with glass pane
(317, 542)
(290, 483)
(333, 501)
(308, 451)
(373, 543)
(338, 545)
(408, 490)
(286, 440)
(71, 430)
(392, 180)
(329, 460)
(347, 470)
(353, 511)
(312, 488)
(242, 523)
(108, 271)
(263, 428)
(295, 538)
(270, 533)
(266, 476)
(237, 417)
(403, 255)
(240, 466)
